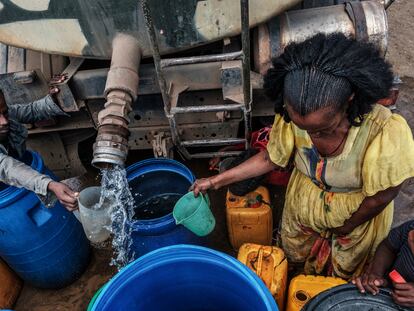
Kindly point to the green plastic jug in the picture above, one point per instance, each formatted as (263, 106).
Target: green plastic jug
(194, 213)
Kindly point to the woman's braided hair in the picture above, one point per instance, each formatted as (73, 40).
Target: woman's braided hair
(326, 70)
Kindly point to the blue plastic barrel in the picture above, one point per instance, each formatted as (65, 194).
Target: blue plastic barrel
(46, 247)
(185, 278)
(155, 179)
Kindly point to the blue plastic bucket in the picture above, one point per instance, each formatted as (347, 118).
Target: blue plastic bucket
(185, 278)
(44, 246)
(158, 178)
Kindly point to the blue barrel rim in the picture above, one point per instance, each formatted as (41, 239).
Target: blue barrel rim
(11, 193)
(192, 252)
(165, 222)
(153, 161)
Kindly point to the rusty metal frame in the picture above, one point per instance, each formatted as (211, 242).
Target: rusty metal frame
(90, 84)
(65, 97)
(171, 92)
(201, 59)
(161, 79)
(247, 90)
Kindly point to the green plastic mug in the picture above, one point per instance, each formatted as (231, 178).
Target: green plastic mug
(194, 213)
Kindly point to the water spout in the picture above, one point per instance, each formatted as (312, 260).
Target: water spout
(121, 90)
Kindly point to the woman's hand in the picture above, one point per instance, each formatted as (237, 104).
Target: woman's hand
(370, 207)
(257, 165)
(370, 282)
(65, 195)
(403, 294)
(343, 230)
(201, 185)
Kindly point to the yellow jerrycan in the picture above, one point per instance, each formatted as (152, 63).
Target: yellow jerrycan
(304, 287)
(270, 264)
(249, 218)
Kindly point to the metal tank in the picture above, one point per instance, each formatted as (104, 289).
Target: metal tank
(184, 75)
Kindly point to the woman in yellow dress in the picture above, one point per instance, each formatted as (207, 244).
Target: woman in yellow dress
(350, 155)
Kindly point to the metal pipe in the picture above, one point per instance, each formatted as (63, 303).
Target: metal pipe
(213, 142)
(215, 154)
(201, 59)
(245, 36)
(121, 89)
(296, 26)
(207, 108)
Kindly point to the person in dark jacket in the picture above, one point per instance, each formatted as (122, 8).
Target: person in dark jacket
(13, 135)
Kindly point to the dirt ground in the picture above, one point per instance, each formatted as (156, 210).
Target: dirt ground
(401, 55)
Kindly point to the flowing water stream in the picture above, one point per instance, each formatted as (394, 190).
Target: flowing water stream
(126, 210)
(115, 189)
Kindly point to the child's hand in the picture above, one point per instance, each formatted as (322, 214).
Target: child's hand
(370, 282)
(403, 294)
(65, 195)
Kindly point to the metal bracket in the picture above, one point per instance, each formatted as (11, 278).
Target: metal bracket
(24, 77)
(357, 15)
(232, 81)
(162, 145)
(73, 67)
(174, 92)
(65, 97)
(23, 87)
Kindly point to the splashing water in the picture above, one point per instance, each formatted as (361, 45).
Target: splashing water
(115, 189)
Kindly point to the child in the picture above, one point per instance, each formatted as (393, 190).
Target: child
(396, 252)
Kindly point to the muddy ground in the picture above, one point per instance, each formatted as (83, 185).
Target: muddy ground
(401, 55)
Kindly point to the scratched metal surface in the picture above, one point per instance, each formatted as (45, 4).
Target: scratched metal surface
(86, 28)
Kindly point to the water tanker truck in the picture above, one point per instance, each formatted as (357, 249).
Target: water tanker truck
(181, 75)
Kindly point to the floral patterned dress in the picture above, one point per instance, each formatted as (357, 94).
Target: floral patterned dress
(323, 192)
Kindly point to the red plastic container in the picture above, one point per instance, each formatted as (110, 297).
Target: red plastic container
(396, 277)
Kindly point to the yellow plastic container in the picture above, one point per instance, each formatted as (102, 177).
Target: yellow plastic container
(270, 264)
(249, 220)
(304, 287)
(10, 286)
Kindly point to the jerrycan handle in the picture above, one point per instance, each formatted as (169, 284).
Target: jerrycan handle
(259, 261)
